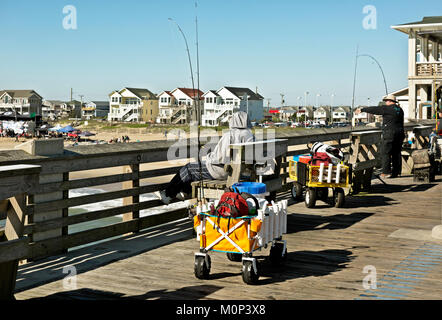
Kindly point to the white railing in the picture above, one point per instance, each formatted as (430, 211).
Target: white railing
(218, 112)
(429, 69)
(130, 106)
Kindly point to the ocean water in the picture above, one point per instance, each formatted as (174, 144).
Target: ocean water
(107, 205)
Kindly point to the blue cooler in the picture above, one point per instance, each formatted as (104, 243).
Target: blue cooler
(259, 190)
(254, 188)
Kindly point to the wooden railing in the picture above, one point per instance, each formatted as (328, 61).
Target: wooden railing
(429, 69)
(16, 182)
(47, 205)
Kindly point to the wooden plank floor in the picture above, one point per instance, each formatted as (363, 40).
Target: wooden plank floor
(328, 249)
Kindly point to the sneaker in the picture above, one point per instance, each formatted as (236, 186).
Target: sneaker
(162, 196)
(181, 196)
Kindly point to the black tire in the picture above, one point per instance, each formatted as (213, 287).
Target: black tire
(322, 194)
(310, 198)
(297, 191)
(248, 274)
(339, 198)
(202, 270)
(235, 257)
(276, 256)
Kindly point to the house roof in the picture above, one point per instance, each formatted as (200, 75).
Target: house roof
(165, 92)
(191, 93)
(211, 91)
(425, 20)
(73, 102)
(101, 103)
(323, 108)
(140, 93)
(431, 26)
(240, 92)
(401, 92)
(19, 93)
(54, 102)
(344, 108)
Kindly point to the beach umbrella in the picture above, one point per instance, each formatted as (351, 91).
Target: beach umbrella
(86, 134)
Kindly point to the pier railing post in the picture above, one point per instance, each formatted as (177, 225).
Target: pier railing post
(47, 148)
(16, 182)
(134, 183)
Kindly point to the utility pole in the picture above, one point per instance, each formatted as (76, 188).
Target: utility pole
(81, 104)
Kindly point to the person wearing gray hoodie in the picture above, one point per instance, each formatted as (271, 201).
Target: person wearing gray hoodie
(213, 167)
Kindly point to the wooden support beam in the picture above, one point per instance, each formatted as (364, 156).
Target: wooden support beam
(135, 199)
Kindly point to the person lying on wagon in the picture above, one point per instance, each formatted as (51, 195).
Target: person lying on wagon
(213, 167)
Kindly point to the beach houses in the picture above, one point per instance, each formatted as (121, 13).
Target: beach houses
(363, 117)
(220, 105)
(176, 106)
(343, 114)
(131, 104)
(304, 113)
(71, 109)
(95, 109)
(51, 109)
(424, 66)
(287, 113)
(24, 102)
(322, 114)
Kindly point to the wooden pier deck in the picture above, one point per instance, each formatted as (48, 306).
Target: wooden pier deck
(328, 248)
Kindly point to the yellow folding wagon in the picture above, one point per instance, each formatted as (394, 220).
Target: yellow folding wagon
(240, 238)
(315, 182)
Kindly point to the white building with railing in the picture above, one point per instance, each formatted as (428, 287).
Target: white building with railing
(24, 102)
(175, 107)
(220, 105)
(424, 66)
(126, 105)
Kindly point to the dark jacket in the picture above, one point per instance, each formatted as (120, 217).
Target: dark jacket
(393, 118)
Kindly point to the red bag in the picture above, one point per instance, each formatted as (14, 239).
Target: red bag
(320, 157)
(233, 205)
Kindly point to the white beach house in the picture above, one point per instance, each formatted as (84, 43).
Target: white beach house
(220, 105)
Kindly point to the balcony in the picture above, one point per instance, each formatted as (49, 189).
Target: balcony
(429, 69)
(130, 106)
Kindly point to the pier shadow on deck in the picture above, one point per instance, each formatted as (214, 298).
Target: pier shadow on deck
(54, 268)
(327, 251)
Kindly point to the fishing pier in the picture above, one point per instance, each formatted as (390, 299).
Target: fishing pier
(383, 228)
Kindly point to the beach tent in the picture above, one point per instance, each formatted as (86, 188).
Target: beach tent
(67, 129)
(55, 129)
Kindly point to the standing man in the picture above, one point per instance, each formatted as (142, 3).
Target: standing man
(393, 135)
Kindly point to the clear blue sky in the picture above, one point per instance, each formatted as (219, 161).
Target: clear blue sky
(279, 46)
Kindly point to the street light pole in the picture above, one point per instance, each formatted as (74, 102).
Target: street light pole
(306, 111)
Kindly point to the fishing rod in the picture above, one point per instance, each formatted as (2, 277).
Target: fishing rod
(354, 79)
(354, 89)
(199, 103)
(196, 95)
